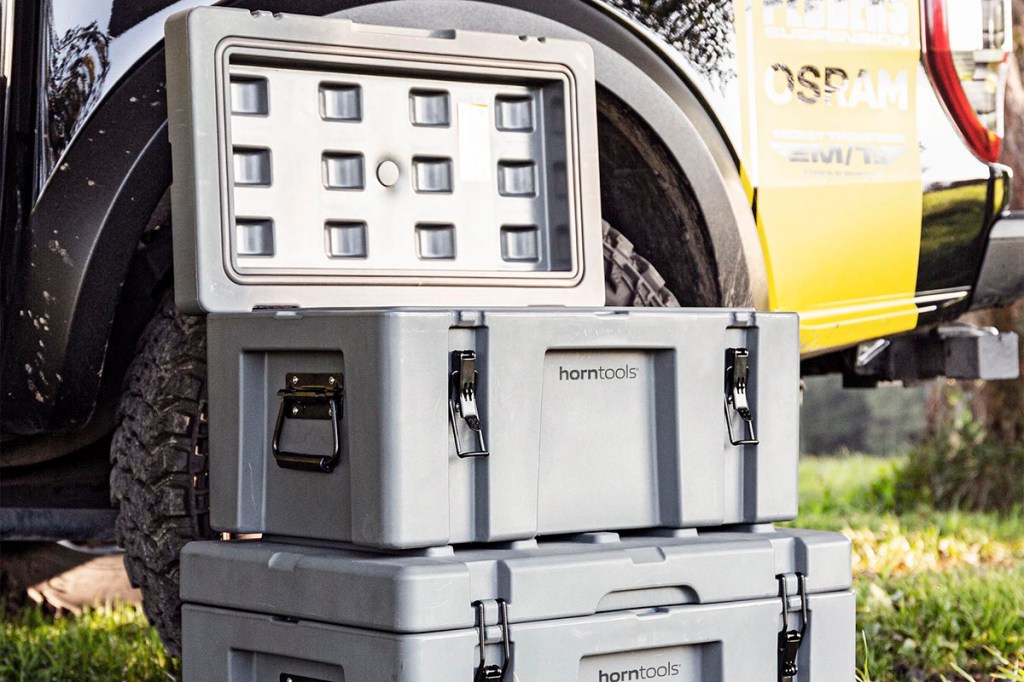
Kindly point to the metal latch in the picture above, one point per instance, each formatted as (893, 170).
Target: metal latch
(462, 401)
(790, 640)
(310, 396)
(737, 370)
(484, 672)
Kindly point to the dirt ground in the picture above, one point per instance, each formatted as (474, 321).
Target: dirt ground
(62, 578)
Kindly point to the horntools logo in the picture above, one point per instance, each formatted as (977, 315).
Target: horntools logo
(642, 673)
(598, 374)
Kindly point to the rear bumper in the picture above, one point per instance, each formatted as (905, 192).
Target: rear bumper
(1001, 279)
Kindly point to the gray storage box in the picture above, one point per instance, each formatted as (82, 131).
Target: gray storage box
(593, 419)
(691, 607)
(318, 162)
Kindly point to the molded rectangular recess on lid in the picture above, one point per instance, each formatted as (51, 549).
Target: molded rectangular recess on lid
(252, 166)
(346, 238)
(430, 108)
(432, 174)
(343, 170)
(520, 243)
(255, 237)
(321, 163)
(249, 96)
(514, 113)
(341, 102)
(435, 241)
(517, 178)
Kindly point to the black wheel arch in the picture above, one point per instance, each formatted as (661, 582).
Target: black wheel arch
(77, 248)
(68, 332)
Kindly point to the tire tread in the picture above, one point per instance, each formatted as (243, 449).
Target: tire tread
(156, 437)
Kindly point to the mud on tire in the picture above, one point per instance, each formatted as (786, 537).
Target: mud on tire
(629, 279)
(159, 469)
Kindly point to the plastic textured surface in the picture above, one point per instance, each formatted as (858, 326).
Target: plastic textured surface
(595, 419)
(322, 162)
(706, 607)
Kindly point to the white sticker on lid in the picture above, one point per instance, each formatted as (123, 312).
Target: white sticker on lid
(474, 142)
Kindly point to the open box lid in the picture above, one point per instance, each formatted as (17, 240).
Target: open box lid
(433, 590)
(323, 163)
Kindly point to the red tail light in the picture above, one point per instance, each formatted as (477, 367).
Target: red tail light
(966, 47)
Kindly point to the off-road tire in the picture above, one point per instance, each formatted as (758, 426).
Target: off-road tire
(629, 279)
(159, 469)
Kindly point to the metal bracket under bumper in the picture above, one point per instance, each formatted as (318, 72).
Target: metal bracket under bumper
(1002, 272)
(957, 351)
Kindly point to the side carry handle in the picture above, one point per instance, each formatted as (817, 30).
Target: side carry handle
(310, 396)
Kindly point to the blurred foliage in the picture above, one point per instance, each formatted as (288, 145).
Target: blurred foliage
(962, 467)
(856, 494)
(114, 643)
(891, 549)
(883, 420)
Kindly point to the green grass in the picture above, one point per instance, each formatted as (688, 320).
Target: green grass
(929, 624)
(940, 594)
(99, 645)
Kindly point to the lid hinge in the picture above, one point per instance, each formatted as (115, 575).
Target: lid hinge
(790, 640)
(462, 401)
(310, 396)
(737, 370)
(493, 672)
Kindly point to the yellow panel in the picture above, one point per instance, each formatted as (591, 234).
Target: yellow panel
(833, 152)
(842, 277)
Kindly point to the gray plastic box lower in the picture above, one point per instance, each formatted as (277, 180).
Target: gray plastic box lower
(687, 608)
(594, 419)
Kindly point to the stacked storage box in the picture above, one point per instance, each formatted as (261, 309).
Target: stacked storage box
(460, 488)
(683, 606)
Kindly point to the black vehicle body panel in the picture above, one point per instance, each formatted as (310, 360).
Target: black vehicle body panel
(103, 164)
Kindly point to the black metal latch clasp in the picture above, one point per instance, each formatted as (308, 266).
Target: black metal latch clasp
(310, 396)
(462, 401)
(737, 370)
(493, 672)
(790, 640)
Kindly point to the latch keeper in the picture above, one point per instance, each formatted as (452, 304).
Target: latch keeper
(462, 400)
(310, 396)
(493, 673)
(737, 370)
(790, 640)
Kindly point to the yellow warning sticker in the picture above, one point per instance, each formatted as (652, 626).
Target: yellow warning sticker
(830, 144)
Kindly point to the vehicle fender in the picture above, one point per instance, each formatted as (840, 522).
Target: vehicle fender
(86, 223)
(78, 243)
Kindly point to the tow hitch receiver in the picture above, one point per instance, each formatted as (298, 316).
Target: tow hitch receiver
(957, 351)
